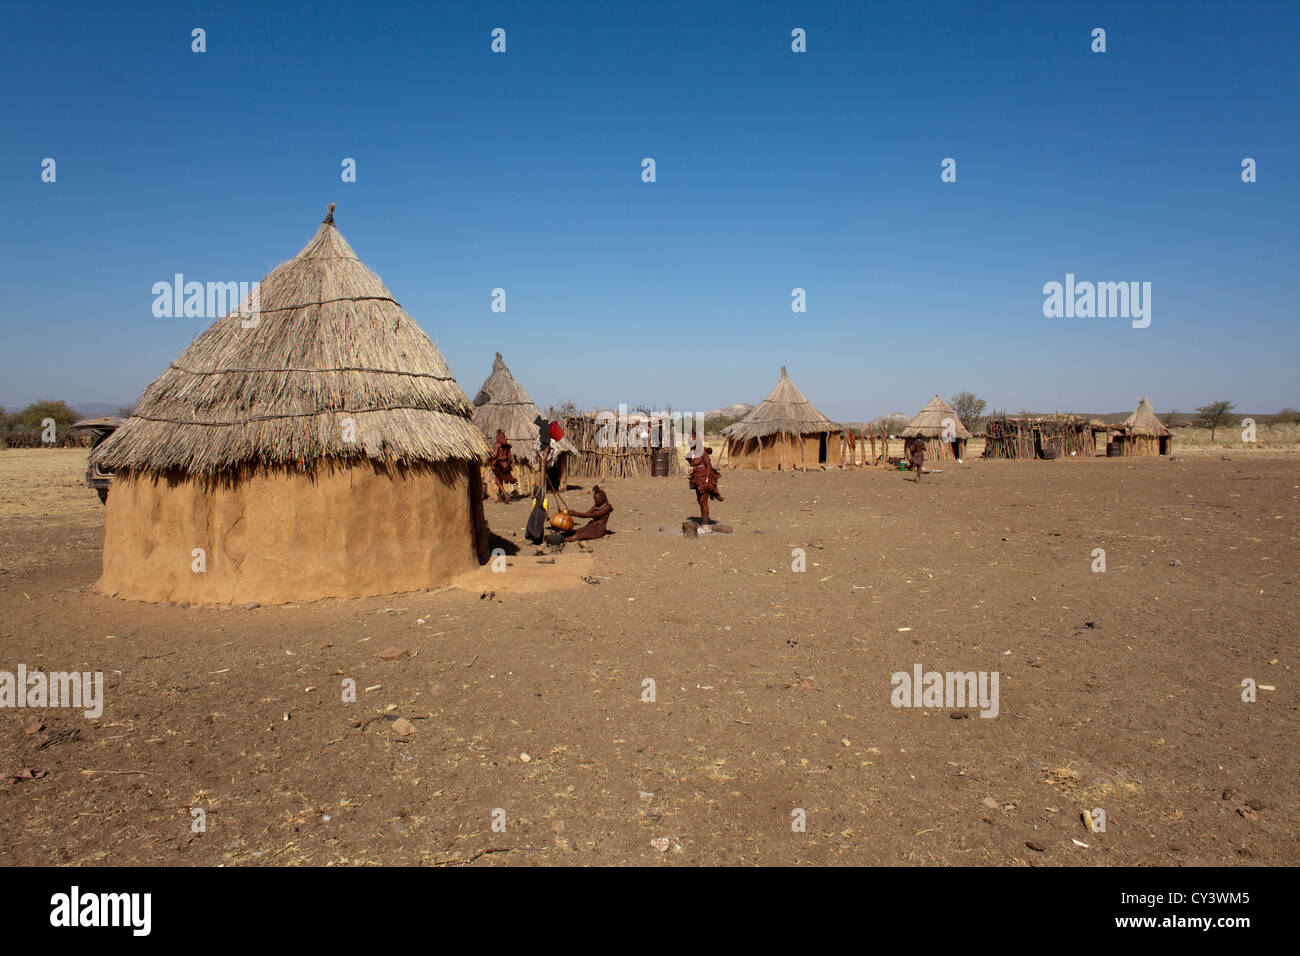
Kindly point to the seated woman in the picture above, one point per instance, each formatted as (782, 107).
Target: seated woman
(599, 515)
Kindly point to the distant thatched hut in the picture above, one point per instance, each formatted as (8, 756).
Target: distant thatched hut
(944, 434)
(1142, 433)
(783, 431)
(502, 403)
(318, 447)
(1047, 436)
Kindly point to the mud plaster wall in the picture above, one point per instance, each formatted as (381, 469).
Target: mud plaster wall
(348, 531)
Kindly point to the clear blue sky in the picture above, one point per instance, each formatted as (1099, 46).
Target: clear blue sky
(775, 170)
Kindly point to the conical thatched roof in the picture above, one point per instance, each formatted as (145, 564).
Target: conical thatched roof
(329, 343)
(784, 411)
(503, 403)
(1143, 421)
(928, 422)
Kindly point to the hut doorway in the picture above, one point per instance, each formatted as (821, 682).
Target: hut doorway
(821, 449)
(1165, 441)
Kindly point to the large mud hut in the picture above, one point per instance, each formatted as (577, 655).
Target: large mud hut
(1142, 433)
(783, 431)
(316, 447)
(942, 431)
(502, 403)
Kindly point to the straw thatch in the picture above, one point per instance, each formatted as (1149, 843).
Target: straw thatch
(329, 343)
(502, 403)
(928, 427)
(1142, 433)
(785, 411)
(1144, 422)
(929, 421)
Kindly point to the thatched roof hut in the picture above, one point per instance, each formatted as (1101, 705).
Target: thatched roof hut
(1142, 433)
(502, 403)
(317, 446)
(783, 431)
(932, 423)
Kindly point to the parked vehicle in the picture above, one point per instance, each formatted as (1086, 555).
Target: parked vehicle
(98, 429)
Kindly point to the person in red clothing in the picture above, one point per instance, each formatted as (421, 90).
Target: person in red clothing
(916, 457)
(704, 477)
(599, 515)
(501, 464)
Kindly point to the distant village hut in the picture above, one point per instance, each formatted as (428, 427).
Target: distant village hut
(1142, 433)
(502, 403)
(311, 444)
(784, 431)
(942, 431)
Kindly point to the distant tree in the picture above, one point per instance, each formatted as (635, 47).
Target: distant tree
(969, 408)
(126, 411)
(1285, 415)
(1214, 415)
(34, 414)
(4, 418)
(1170, 416)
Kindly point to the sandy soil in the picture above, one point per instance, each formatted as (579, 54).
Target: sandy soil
(773, 688)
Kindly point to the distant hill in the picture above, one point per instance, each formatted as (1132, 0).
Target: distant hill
(733, 412)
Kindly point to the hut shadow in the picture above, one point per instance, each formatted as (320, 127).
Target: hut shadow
(495, 541)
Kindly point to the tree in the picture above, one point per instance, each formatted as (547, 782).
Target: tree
(4, 418)
(126, 411)
(34, 414)
(1170, 416)
(969, 408)
(1214, 415)
(1285, 415)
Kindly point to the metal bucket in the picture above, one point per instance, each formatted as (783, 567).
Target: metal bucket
(659, 463)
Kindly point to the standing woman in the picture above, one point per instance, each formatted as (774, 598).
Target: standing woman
(916, 457)
(501, 465)
(704, 477)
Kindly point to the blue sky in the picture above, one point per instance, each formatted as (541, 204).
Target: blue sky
(775, 170)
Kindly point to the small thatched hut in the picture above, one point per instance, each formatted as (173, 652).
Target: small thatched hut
(316, 447)
(932, 423)
(502, 403)
(783, 431)
(1046, 436)
(1142, 433)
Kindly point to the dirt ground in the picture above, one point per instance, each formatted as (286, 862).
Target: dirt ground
(772, 687)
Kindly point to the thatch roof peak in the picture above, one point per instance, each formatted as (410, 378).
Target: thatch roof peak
(502, 403)
(928, 422)
(784, 411)
(330, 367)
(1144, 421)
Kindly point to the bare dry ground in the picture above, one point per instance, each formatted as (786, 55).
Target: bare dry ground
(773, 688)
